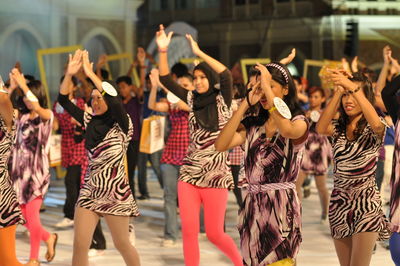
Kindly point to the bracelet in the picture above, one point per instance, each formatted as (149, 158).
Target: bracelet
(31, 97)
(358, 88)
(273, 108)
(162, 50)
(247, 98)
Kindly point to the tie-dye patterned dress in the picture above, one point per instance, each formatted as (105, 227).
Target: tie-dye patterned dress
(30, 169)
(10, 213)
(355, 204)
(270, 220)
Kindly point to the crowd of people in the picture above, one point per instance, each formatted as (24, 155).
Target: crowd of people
(263, 140)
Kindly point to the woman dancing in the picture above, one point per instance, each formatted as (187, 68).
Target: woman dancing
(270, 220)
(106, 192)
(355, 211)
(205, 176)
(10, 212)
(30, 168)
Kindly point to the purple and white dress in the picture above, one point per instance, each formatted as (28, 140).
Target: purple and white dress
(270, 221)
(30, 169)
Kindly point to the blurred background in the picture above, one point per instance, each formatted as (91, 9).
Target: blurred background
(229, 30)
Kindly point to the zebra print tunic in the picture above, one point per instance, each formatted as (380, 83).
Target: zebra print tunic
(355, 204)
(203, 166)
(106, 189)
(10, 213)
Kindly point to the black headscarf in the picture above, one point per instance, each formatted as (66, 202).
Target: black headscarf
(205, 104)
(97, 129)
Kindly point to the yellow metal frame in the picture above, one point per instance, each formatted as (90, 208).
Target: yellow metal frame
(117, 57)
(308, 63)
(251, 61)
(49, 51)
(190, 60)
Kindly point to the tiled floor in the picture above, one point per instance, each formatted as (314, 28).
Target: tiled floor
(317, 247)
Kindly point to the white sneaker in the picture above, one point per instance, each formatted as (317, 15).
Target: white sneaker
(95, 252)
(168, 243)
(132, 235)
(66, 222)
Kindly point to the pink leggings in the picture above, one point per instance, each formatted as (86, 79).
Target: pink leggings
(214, 203)
(31, 211)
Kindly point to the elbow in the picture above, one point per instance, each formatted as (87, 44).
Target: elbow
(219, 146)
(319, 129)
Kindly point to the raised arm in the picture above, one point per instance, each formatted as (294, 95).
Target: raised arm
(234, 133)
(153, 104)
(367, 108)
(287, 128)
(390, 99)
(163, 41)
(44, 113)
(141, 58)
(324, 125)
(381, 82)
(74, 65)
(213, 63)
(6, 110)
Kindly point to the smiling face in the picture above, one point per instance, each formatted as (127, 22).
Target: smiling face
(99, 106)
(350, 105)
(200, 81)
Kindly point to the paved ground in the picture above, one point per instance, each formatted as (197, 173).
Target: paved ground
(317, 247)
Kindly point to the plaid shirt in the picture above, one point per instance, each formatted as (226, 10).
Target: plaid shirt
(72, 153)
(236, 155)
(178, 140)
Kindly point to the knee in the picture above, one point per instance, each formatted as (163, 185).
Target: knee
(215, 236)
(122, 245)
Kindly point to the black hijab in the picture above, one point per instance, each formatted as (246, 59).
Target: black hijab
(98, 127)
(205, 104)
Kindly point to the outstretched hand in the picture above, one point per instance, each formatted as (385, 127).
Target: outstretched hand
(74, 62)
(195, 47)
(256, 93)
(18, 77)
(354, 65)
(163, 39)
(288, 59)
(264, 72)
(154, 78)
(87, 65)
(341, 78)
(387, 54)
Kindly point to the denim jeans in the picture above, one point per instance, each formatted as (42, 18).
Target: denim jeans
(154, 159)
(170, 174)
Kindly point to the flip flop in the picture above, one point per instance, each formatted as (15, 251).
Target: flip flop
(48, 258)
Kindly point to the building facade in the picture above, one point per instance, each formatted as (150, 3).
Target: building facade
(233, 29)
(106, 26)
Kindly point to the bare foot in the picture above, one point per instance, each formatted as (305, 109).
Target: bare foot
(51, 247)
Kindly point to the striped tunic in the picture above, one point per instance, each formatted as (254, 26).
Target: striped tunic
(106, 189)
(10, 213)
(355, 204)
(203, 165)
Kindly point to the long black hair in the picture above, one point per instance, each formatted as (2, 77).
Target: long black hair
(343, 120)
(290, 99)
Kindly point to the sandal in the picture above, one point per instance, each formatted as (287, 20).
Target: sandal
(49, 257)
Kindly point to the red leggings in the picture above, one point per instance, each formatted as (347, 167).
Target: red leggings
(31, 211)
(214, 203)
